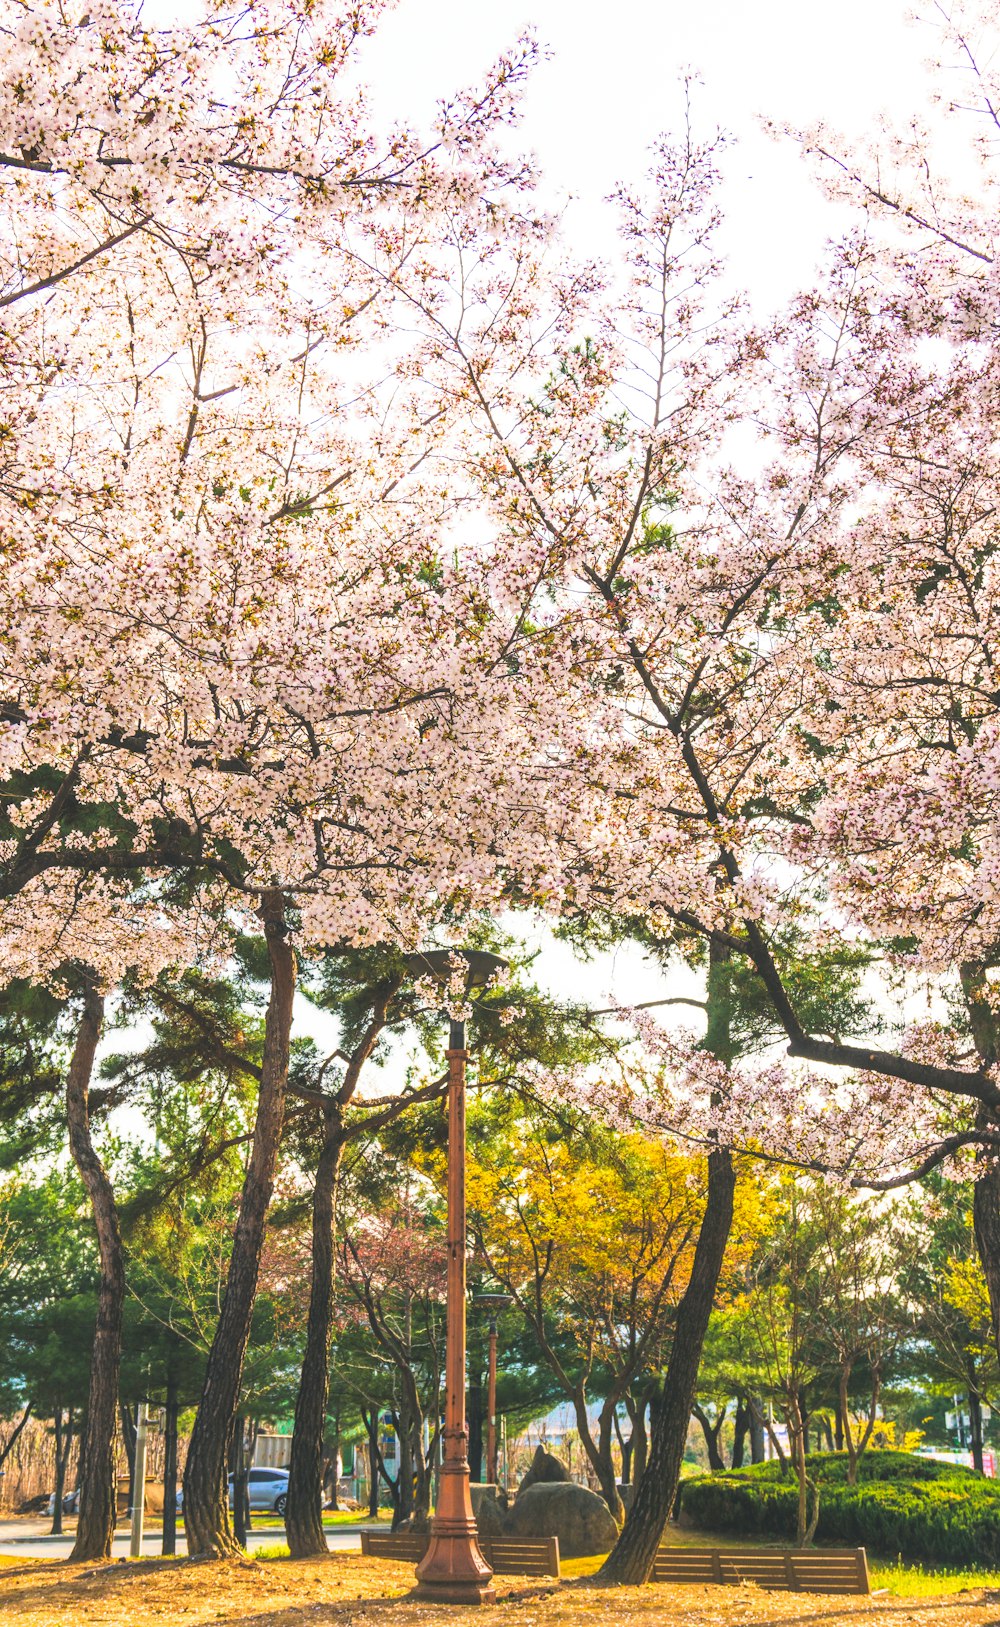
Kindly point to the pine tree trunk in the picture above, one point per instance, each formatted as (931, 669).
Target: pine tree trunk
(62, 1453)
(334, 1471)
(170, 1467)
(129, 1431)
(206, 1500)
(741, 1428)
(371, 1425)
(304, 1513)
(474, 1418)
(98, 1503)
(240, 1477)
(843, 1410)
(975, 1414)
(639, 1443)
(631, 1559)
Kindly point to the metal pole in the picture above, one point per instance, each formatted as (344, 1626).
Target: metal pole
(453, 1571)
(491, 1406)
(139, 1481)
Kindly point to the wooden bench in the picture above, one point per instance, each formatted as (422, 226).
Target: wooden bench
(790, 1570)
(506, 1556)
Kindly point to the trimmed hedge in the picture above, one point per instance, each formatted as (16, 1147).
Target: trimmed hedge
(902, 1504)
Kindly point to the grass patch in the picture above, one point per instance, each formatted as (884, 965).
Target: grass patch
(358, 1517)
(582, 1567)
(916, 1581)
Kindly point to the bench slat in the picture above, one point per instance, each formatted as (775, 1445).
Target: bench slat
(834, 1570)
(505, 1555)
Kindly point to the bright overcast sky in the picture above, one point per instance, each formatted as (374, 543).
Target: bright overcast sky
(611, 85)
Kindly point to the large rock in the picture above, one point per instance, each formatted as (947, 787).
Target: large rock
(578, 1517)
(545, 1470)
(491, 1517)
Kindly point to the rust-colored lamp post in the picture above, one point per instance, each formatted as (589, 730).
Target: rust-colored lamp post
(492, 1303)
(453, 1571)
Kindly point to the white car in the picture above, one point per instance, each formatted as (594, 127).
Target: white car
(268, 1490)
(71, 1503)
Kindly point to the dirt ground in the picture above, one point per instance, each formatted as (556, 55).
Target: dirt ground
(349, 1591)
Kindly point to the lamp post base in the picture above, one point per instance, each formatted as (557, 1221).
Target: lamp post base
(454, 1593)
(453, 1571)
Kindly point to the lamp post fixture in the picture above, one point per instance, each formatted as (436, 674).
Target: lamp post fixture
(492, 1303)
(453, 1571)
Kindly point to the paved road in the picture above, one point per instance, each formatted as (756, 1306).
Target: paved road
(29, 1539)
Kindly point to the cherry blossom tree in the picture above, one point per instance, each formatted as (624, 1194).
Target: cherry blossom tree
(239, 670)
(765, 714)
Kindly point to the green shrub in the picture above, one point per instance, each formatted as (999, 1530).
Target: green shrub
(902, 1504)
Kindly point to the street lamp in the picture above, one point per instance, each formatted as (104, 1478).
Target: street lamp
(492, 1303)
(453, 1571)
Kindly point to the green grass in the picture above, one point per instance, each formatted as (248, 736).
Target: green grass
(920, 1581)
(903, 1581)
(359, 1517)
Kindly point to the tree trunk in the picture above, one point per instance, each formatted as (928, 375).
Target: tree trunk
(975, 1414)
(98, 1503)
(129, 1432)
(304, 1513)
(625, 1446)
(206, 1503)
(170, 1466)
(404, 1465)
(422, 1488)
(334, 1472)
(756, 1410)
(741, 1429)
(631, 1559)
(986, 1186)
(371, 1425)
(986, 1220)
(843, 1409)
(599, 1451)
(639, 1442)
(62, 1444)
(474, 1418)
(304, 1510)
(241, 1483)
(15, 1435)
(711, 1433)
(807, 1513)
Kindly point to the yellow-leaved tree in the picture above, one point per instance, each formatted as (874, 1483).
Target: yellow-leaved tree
(592, 1234)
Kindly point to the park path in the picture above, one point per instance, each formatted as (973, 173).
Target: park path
(30, 1539)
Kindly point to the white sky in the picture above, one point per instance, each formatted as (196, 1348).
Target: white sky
(611, 85)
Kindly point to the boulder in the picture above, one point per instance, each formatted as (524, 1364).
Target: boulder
(491, 1517)
(545, 1470)
(578, 1517)
(480, 1489)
